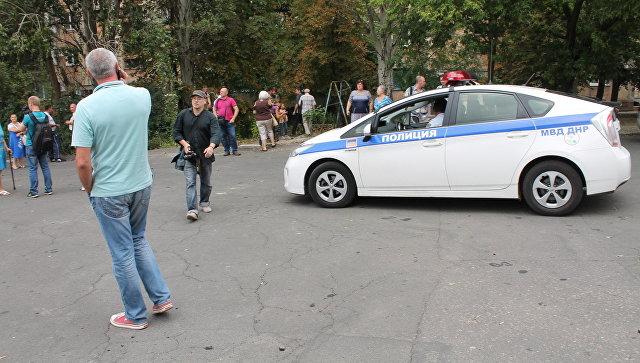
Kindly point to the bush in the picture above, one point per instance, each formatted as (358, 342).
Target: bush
(316, 116)
(246, 122)
(164, 109)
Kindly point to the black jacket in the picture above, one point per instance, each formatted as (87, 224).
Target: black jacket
(199, 131)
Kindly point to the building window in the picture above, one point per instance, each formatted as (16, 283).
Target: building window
(69, 26)
(71, 59)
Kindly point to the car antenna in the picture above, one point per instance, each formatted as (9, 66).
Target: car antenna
(529, 80)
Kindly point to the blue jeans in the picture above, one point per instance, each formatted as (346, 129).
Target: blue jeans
(123, 221)
(229, 136)
(190, 174)
(33, 160)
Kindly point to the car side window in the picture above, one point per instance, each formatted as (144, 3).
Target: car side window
(537, 107)
(423, 113)
(358, 130)
(475, 107)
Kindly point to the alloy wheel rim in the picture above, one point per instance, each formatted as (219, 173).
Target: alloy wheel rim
(552, 189)
(331, 186)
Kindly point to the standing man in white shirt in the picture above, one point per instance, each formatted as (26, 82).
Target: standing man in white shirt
(307, 102)
(69, 122)
(417, 88)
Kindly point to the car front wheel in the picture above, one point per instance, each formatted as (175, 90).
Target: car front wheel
(552, 188)
(331, 185)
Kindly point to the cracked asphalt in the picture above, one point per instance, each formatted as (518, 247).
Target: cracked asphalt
(271, 277)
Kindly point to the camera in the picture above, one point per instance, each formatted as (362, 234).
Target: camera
(190, 155)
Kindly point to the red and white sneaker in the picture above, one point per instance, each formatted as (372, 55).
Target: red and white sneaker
(121, 321)
(161, 308)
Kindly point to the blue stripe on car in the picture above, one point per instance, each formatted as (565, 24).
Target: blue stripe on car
(563, 121)
(326, 146)
(458, 131)
(490, 128)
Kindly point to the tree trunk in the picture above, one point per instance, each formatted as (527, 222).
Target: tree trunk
(572, 16)
(615, 89)
(601, 84)
(384, 52)
(491, 64)
(383, 42)
(185, 16)
(53, 77)
(89, 29)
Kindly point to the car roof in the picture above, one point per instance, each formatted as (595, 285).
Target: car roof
(489, 87)
(567, 100)
(503, 87)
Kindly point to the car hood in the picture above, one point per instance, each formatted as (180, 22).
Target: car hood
(330, 135)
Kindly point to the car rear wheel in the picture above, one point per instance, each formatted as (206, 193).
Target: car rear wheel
(552, 188)
(331, 185)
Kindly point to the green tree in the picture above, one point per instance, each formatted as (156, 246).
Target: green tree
(24, 46)
(566, 43)
(327, 44)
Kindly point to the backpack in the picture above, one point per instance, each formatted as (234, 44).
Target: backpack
(42, 138)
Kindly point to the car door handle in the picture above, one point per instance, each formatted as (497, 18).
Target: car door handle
(517, 135)
(432, 143)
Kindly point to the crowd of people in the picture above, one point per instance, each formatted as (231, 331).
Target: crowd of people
(20, 150)
(110, 137)
(274, 121)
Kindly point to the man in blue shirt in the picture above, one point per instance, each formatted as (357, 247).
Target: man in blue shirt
(29, 124)
(110, 136)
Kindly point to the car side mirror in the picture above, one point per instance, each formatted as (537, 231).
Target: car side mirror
(366, 133)
(367, 130)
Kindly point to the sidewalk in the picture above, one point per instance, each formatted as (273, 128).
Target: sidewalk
(253, 143)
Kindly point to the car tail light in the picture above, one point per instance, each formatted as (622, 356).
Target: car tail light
(607, 123)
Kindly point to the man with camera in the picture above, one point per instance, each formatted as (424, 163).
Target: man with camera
(197, 131)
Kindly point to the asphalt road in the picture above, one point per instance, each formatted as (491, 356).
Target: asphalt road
(271, 277)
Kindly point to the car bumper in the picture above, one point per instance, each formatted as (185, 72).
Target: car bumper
(294, 172)
(606, 169)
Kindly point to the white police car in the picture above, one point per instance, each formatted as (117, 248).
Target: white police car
(491, 141)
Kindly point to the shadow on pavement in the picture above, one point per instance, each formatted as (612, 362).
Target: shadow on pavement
(593, 205)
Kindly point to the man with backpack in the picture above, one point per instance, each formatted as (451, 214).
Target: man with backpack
(39, 141)
(417, 88)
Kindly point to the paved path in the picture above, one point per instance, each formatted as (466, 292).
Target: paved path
(271, 277)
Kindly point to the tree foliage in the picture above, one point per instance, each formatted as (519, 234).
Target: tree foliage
(174, 46)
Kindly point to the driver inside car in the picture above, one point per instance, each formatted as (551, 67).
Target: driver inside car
(438, 108)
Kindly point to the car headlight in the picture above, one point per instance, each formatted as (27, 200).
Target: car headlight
(299, 151)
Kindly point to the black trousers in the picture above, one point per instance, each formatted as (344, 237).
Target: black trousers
(295, 120)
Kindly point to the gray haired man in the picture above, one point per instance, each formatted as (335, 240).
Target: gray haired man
(417, 88)
(110, 136)
(307, 102)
